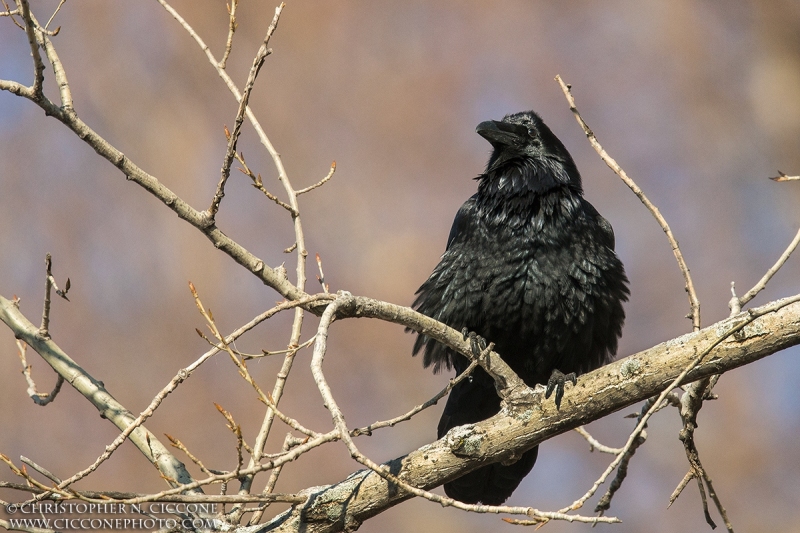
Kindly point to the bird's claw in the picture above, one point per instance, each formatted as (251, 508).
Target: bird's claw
(476, 343)
(556, 382)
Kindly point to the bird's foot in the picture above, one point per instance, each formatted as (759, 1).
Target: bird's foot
(556, 383)
(476, 343)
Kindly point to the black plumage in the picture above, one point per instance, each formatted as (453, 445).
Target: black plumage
(530, 265)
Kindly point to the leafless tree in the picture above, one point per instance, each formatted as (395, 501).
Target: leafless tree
(679, 373)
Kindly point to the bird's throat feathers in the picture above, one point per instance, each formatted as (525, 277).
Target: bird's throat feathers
(524, 175)
(527, 185)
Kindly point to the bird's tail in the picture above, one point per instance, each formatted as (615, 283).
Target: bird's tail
(492, 484)
(473, 400)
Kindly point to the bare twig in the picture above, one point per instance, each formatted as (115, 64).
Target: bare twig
(258, 184)
(31, 482)
(218, 478)
(682, 485)
(293, 350)
(233, 138)
(64, 92)
(636, 438)
(693, 301)
(51, 282)
(736, 304)
(698, 472)
(244, 372)
(221, 241)
(594, 444)
(783, 177)
(38, 65)
(320, 183)
(696, 393)
(55, 32)
(276, 158)
(39, 398)
(192, 488)
(10, 13)
(288, 443)
(236, 429)
(45, 327)
(321, 277)
(367, 430)
(298, 228)
(627, 454)
(42, 470)
(182, 447)
(200, 220)
(283, 373)
(231, 29)
(691, 403)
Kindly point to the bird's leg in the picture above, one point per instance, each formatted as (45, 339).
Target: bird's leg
(476, 343)
(556, 382)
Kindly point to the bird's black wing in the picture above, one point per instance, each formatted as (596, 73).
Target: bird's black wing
(462, 220)
(606, 231)
(452, 294)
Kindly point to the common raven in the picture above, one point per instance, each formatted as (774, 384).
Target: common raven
(530, 265)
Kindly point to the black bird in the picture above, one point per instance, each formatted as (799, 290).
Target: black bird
(530, 266)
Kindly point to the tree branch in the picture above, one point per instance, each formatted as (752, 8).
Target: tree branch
(94, 391)
(694, 302)
(528, 421)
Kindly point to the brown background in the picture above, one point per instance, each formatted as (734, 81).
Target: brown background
(699, 101)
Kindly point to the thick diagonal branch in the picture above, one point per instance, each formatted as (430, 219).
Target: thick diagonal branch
(94, 391)
(739, 340)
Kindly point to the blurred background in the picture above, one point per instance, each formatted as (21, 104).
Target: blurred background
(698, 101)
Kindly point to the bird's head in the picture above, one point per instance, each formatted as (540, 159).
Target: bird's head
(522, 142)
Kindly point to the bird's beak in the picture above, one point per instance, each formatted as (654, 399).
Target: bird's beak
(502, 133)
